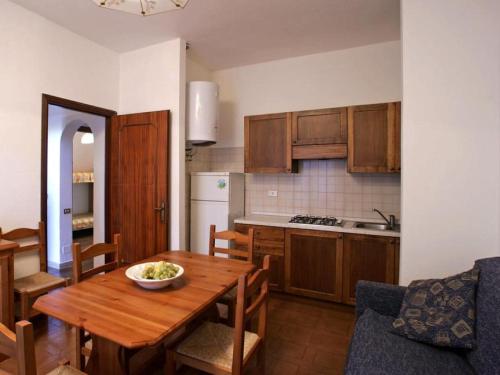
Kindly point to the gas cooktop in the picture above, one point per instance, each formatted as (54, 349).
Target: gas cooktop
(316, 220)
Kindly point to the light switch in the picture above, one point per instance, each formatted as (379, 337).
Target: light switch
(272, 193)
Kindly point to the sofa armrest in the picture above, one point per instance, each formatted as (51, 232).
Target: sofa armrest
(386, 299)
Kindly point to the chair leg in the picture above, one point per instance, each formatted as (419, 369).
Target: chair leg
(231, 309)
(80, 343)
(170, 363)
(261, 360)
(25, 306)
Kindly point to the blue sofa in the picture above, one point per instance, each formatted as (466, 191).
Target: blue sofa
(374, 350)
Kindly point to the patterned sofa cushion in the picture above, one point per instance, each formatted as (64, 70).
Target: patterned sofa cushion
(376, 351)
(486, 357)
(440, 312)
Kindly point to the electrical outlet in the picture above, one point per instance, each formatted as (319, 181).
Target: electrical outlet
(67, 211)
(272, 193)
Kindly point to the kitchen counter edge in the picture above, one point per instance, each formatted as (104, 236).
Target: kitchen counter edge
(282, 222)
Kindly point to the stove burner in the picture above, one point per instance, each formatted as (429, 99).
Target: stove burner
(316, 220)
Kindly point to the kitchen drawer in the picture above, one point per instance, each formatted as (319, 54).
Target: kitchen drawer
(268, 234)
(269, 247)
(262, 233)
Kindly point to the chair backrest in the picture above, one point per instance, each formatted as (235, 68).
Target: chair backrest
(29, 240)
(111, 250)
(251, 299)
(19, 345)
(243, 243)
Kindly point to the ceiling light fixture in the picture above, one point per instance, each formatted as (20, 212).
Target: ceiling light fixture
(142, 7)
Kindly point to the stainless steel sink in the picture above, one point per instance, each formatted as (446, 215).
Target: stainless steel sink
(375, 226)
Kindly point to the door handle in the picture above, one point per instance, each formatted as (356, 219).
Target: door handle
(161, 210)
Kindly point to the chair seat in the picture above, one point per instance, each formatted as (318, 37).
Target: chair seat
(65, 370)
(213, 343)
(38, 281)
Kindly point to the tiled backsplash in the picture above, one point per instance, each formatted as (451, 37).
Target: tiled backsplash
(322, 187)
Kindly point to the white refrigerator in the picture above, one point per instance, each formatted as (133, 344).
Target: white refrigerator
(216, 198)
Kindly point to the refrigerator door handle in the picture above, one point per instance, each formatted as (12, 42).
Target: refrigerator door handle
(161, 209)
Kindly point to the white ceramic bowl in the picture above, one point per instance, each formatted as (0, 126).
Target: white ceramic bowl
(134, 273)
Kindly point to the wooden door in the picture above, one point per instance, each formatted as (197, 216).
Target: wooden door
(313, 263)
(139, 183)
(268, 144)
(371, 258)
(374, 138)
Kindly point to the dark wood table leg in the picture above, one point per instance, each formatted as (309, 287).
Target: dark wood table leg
(107, 357)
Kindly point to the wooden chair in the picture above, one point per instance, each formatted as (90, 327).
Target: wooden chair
(112, 253)
(219, 349)
(30, 287)
(21, 346)
(243, 249)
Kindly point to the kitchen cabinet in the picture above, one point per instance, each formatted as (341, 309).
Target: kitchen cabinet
(268, 241)
(366, 257)
(324, 264)
(313, 263)
(319, 134)
(374, 138)
(276, 267)
(268, 144)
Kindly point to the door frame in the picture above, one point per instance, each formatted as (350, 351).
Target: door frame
(81, 107)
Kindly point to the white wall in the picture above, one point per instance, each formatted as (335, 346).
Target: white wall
(196, 71)
(38, 57)
(450, 135)
(363, 75)
(153, 79)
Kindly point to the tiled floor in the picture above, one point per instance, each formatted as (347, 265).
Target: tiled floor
(304, 337)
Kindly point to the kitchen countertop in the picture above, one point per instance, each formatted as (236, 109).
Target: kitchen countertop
(282, 221)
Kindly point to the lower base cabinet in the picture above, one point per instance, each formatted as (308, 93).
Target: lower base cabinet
(313, 264)
(276, 270)
(269, 241)
(323, 264)
(372, 258)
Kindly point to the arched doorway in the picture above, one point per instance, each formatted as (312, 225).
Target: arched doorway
(65, 130)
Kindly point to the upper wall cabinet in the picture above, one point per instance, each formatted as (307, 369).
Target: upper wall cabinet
(374, 138)
(319, 134)
(268, 144)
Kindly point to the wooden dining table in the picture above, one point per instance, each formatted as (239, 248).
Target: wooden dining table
(122, 317)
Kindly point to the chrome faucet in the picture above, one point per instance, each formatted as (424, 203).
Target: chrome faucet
(392, 219)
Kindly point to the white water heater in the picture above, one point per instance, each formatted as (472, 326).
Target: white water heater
(202, 104)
